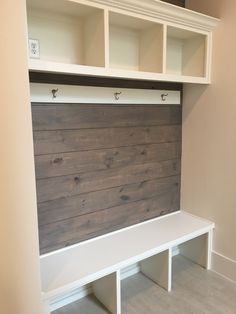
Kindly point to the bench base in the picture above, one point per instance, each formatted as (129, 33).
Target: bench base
(156, 265)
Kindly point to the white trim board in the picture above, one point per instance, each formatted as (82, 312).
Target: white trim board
(101, 95)
(224, 266)
(163, 12)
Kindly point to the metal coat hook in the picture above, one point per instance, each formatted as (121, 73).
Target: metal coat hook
(164, 96)
(54, 93)
(117, 95)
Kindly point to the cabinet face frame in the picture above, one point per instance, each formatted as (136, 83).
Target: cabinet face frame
(128, 9)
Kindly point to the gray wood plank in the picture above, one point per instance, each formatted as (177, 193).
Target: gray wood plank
(86, 161)
(64, 186)
(49, 142)
(65, 208)
(80, 116)
(180, 3)
(83, 80)
(73, 230)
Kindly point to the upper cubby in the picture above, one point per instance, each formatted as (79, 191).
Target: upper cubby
(67, 31)
(185, 52)
(135, 44)
(146, 40)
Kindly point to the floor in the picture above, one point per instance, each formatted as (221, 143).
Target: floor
(194, 291)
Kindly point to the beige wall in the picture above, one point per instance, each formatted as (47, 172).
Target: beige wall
(19, 257)
(209, 134)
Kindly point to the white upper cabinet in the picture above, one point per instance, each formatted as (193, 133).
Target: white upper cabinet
(138, 39)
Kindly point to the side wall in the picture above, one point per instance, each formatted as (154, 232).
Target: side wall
(209, 139)
(20, 290)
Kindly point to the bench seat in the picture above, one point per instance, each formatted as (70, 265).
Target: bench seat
(86, 262)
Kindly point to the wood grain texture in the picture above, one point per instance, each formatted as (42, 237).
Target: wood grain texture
(83, 80)
(72, 116)
(180, 3)
(76, 205)
(51, 142)
(53, 165)
(64, 186)
(94, 224)
(100, 168)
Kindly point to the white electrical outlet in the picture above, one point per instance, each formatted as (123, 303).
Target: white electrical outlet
(34, 51)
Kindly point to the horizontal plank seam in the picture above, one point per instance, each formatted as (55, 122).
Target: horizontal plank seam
(112, 187)
(109, 127)
(103, 209)
(107, 148)
(90, 172)
(117, 168)
(161, 105)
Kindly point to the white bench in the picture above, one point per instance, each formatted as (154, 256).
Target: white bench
(99, 261)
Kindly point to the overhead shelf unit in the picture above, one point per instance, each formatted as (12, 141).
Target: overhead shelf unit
(127, 39)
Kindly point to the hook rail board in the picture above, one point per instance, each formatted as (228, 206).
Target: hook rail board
(49, 93)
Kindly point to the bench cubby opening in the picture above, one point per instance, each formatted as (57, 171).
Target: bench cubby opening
(156, 268)
(198, 250)
(85, 305)
(102, 295)
(68, 32)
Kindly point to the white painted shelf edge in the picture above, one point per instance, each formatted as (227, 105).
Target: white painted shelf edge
(90, 260)
(74, 69)
(163, 11)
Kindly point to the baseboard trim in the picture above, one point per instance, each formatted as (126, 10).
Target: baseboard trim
(224, 266)
(69, 297)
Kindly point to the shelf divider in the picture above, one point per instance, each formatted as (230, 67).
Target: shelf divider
(158, 269)
(107, 291)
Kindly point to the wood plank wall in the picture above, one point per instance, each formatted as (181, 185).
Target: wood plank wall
(103, 167)
(180, 3)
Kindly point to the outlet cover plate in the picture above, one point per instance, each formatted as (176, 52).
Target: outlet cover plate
(34, 49)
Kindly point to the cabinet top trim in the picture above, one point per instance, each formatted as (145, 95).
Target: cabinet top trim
(163, 11)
